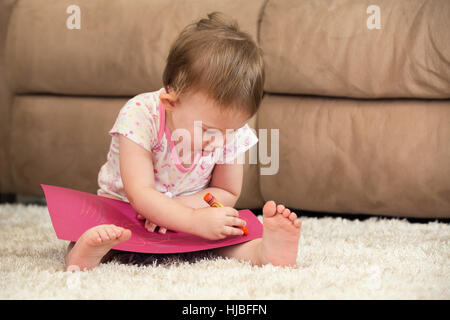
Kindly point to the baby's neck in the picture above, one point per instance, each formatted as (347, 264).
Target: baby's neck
(169, 120)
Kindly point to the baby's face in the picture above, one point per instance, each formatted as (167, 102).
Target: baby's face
(206, 123)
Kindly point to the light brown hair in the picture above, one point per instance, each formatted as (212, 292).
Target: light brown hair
(212, 55)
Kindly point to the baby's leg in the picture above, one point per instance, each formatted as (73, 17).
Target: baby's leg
(93, 245)
(279, 243)
(247, 251)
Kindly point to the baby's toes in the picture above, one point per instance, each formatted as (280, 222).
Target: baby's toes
(115, 232)
(286, 212)
(103, 234)
(292, 216)
(150, 226)
(95, 238)
(280, 208)
(110, 233)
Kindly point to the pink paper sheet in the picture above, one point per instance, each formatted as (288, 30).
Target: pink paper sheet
(73, 212)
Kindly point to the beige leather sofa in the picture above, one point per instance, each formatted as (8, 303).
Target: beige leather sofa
(360, 95)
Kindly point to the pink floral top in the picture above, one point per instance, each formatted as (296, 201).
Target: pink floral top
(142, 120)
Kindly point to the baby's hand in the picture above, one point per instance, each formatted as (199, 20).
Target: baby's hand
(151, 226)
(217, 223)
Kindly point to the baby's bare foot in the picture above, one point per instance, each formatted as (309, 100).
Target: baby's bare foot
(94, 244)
(281, 234)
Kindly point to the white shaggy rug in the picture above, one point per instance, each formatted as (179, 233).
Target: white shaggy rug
(338, 259)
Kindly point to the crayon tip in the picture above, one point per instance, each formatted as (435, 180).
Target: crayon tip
(208, 197)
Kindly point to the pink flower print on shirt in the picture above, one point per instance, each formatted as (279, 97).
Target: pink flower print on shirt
(227, 150)
(138, 104)
(205, 165)
(168, 186)
(159, 148)
(200, 174)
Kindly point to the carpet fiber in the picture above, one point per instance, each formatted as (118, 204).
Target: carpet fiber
(338, 259)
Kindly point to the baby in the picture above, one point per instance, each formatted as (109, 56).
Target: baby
(172, 146)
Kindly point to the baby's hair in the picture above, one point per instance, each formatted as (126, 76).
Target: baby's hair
(213, 56)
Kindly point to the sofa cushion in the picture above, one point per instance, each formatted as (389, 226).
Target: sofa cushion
(60, 141)
(387, 157)
(6, 97)
(120, 48)
(333, 48)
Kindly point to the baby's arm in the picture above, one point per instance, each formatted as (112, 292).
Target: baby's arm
(225, 185)
(136, 169)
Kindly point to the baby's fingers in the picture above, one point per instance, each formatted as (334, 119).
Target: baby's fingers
(231, 212)
(162, 230)
(231, 231)
(150, 226)
(234, 221)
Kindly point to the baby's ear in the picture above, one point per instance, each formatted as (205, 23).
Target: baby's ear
(168, 100)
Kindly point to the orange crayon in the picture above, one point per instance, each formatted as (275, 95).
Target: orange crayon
(212, 201)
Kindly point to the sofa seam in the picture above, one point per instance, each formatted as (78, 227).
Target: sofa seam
(260, 18)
